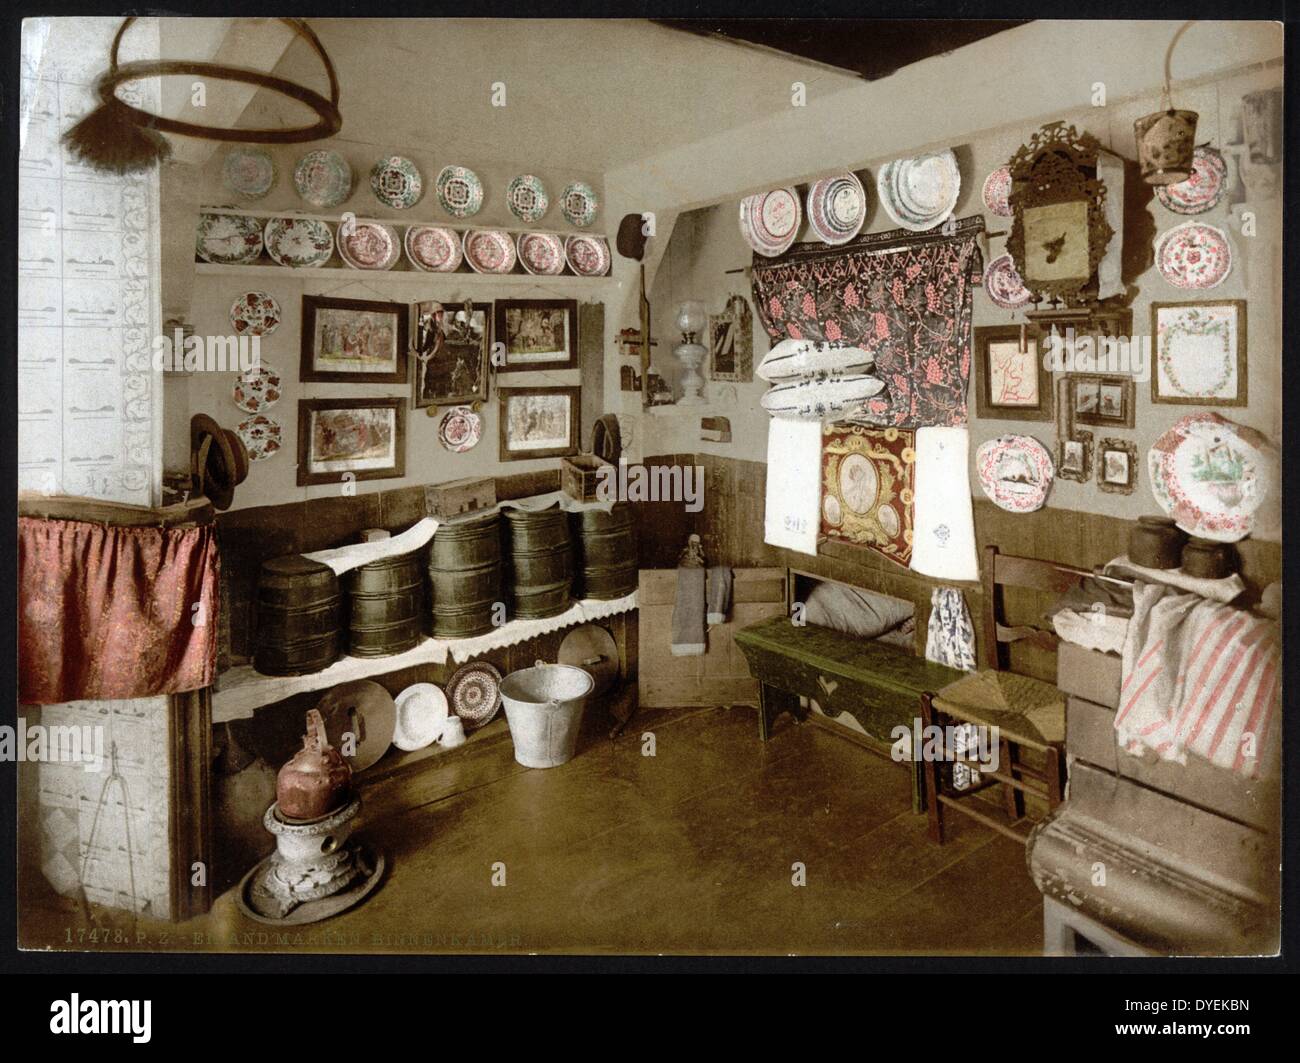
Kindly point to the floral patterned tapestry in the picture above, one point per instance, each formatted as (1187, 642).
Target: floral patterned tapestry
(906, 297)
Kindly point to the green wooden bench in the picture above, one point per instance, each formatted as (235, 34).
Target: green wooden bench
(879, 685)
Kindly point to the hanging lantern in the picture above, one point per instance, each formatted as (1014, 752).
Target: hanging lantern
(1166, 139)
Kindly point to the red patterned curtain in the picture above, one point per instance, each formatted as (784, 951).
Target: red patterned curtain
(906, 297)
(114, 612)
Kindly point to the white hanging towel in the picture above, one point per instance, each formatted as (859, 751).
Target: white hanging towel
(794, 484)
(345, 558)
(943, 523)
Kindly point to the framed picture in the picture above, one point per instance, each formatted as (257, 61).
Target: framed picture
(449, 351)
(364, 439)
(731, 342)
(537, 333)
(1074, 458)
(1199, 352)
(1012, 381)
(1117, 466)
(1107, 401)
(353, 341)
(538, 422)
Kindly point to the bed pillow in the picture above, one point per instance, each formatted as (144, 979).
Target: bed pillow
(855, 611)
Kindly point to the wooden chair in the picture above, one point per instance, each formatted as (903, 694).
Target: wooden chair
(1036, 723)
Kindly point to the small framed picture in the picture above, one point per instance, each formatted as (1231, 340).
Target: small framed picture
(1199, 353)
(1102, 400)
(1117, 466)
(364, 439)
(1074, 458)
(353, 341)
(449, 348)
(538, 422)
(731, 342)
(1012, 381)
(537, 334)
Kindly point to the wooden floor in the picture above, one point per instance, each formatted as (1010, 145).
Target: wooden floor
(688, 851)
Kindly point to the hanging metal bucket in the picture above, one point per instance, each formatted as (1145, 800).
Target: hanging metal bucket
(544, 710)
(1166, 142)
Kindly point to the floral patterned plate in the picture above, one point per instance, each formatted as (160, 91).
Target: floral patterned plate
(228, 239)
(588, 256)
(255, 314)
(1202, 190)
(837, 207)
(459, 191)
(997, 192)
(578, 204)
(1194, 256)
(396, 182)
(433, 248)
(369, 245)
(460, 429)
(770, 221)
(261, 435)
(1003, 284)
(527, 198)
(489, 251)
(542, 254)
(301, 243)
(323, 178)
(248, 172)
(257, 390)
(1015, 471)
(474, 692)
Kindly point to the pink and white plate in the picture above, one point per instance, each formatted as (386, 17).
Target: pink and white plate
(432, 248)
(1202, 190)
(489, 251)
(261, 435)
(255, 314)
(257, 390)
(1015, 471)
(769, 221)
(1194, 256)
(588, 256)
(997, 192)
(460, 429)
(369, 245)
(1003, 284)
(542, 254)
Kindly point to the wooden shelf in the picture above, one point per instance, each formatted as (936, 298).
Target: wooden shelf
(270, 269)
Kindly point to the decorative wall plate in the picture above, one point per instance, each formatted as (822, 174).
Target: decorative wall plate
(248, 172)
(474, 692)
(489, 251)
(578, 204)
(527, 198)
(323, 178)
(920, 192)
(262, 436)
(421, 716)
(1202, 190)
(997, 192)
(1015, 471)
(369, 245)
(1211, 475)
(257, 390)
(837, 208)
(1003, 285)
(432, 248)
(460, 429)
(796, 359)
(542, 254)
(1194, 256)
(770, 221)
(824, 397)
(396, 182)
(301, 243)
(255, 314)
(588, 256)
(228, 239)
(459, 191)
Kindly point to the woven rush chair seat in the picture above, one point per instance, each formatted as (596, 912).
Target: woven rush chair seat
(1023, 709)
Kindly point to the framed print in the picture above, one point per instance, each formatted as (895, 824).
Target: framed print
(1056, 244)
(731, 342)
(361, 438)
(1199, 356)
(449, 351)
(537, 333)
(353, 341)
(1012, 381)
(1102, 400)
(538, 422)
(1074, 458)
(1117, 466)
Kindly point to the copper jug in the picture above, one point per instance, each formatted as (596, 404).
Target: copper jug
(317, 780)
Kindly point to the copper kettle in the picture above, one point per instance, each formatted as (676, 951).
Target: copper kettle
(317, 780)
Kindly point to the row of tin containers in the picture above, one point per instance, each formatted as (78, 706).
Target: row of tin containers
(533, 562)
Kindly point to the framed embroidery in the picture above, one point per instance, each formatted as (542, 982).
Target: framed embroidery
(1200, 353)
(1012, 381)
(868, 483)
(1117, 467)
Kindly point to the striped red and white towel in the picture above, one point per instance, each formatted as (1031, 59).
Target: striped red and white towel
(1199, 677)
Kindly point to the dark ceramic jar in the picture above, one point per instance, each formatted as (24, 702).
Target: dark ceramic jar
(1156, 542)
(1206, 559)
(317, 780)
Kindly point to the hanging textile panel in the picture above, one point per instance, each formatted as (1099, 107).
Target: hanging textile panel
(905, 297)
(868, 483)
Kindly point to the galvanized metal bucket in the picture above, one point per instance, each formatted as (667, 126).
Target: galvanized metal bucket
(544, 710)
